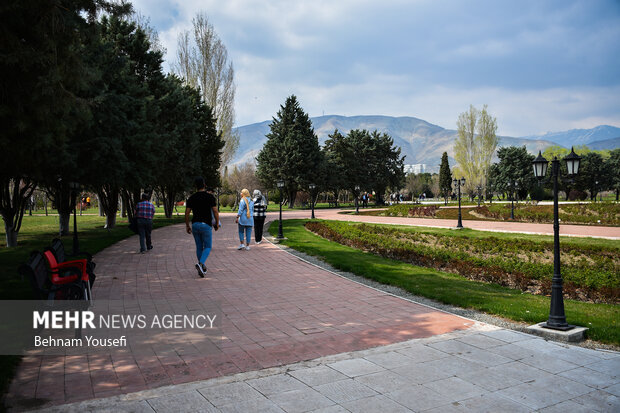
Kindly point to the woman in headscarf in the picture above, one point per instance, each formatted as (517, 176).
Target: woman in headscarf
(245, 219)
(260, 212)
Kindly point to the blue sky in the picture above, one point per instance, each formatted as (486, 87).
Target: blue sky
(539, 65)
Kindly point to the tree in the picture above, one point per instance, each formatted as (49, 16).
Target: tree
(475, 145)
(593, 174)
(515, 165)
(292, 152)
(202, 60)
(41, 70)
(445, 178)
(613, 166)
(365, 159)
(241, 177)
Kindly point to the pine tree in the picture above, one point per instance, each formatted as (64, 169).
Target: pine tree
(445, 178)
(292, 152)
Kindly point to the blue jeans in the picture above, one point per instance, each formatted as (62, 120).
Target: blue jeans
(202, 235)
(145, 226)
(247, 230)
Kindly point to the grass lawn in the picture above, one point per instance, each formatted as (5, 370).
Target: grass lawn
(603, 320)
(36, 233)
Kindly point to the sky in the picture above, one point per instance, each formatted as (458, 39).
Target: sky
(539, 65)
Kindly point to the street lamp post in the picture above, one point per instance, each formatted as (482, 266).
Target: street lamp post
(357, 207)
(312, 187)
(74, 186)
(280, 185)
(515, 185)
(458, 183)
(595, 189)
(479, 194)
(557, 318)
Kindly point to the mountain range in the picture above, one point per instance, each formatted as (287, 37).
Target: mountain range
(422, 142)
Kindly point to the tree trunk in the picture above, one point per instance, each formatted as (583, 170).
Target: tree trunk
(11, 236)
(101, 212)
(64, 223)
(108, 199)
(168, 196)
(291, 198)
(110, 221)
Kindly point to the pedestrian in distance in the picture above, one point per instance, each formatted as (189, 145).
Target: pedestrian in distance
(205, 218)
(145, 211)
(260, 213)
(245, 219)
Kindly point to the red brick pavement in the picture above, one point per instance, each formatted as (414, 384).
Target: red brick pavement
(276, 309)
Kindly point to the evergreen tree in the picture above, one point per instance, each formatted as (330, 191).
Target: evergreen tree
(613, 165)
(593, 174)
(292, 151)
(445, 178)
(515, 165)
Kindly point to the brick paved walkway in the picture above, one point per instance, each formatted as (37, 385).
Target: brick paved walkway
(276, 310)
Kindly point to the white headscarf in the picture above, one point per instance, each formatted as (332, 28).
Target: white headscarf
(259, 198)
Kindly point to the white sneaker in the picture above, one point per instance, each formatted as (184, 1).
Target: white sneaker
(201, 272)
(247, 248)
(240, 247)
(258, 242)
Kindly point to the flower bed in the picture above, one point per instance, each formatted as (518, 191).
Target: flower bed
(590, 273)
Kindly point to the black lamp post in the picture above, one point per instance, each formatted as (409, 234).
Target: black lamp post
(479, 194)
(515, 185)
(280, 185)
(312, 187)
(74, 186)
(557, 318)
(458, 183)
(357, 207)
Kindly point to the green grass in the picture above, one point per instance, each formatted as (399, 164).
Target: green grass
(602, 319)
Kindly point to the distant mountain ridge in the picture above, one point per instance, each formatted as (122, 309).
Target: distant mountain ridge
(420, 141)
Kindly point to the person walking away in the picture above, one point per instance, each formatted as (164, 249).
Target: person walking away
(245, 219)
(205, 218)
(144, 217)
(260, 213)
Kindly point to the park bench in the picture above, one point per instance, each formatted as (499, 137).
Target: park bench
(76, 270)
(52, 285)
(58, 249)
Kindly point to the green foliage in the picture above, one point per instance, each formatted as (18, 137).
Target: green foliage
(292, 151)
(515, 165)
(445, 177)
(365, 159)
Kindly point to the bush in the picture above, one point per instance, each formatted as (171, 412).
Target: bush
(576, 195)
(538, 193)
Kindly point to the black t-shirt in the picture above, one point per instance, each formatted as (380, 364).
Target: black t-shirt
(202, 204)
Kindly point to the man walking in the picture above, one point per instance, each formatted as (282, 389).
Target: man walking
(144, 216)
(205, 218)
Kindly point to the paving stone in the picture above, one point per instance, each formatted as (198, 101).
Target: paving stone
(278, 383)
(492, 403)
(355, 367)
(253, 405)
(418, 398)
(481, 341)
(484, 357)
(180, 402)
(420, 353)
(455, 388)
(230, 393)
(490, 381)
(508, 336)
(548, 363)
(375, 404)
(301, 400)
(384, 381)
(345, 390)
(600, 401)
(452, 346)
(315, 376)
(562, 383)
(520, 371)
(610, 367)
(389, 360)
(615, 390)
(590, 377)
(512, 351)
(535, 397)
(566, 406)
(331, 409)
